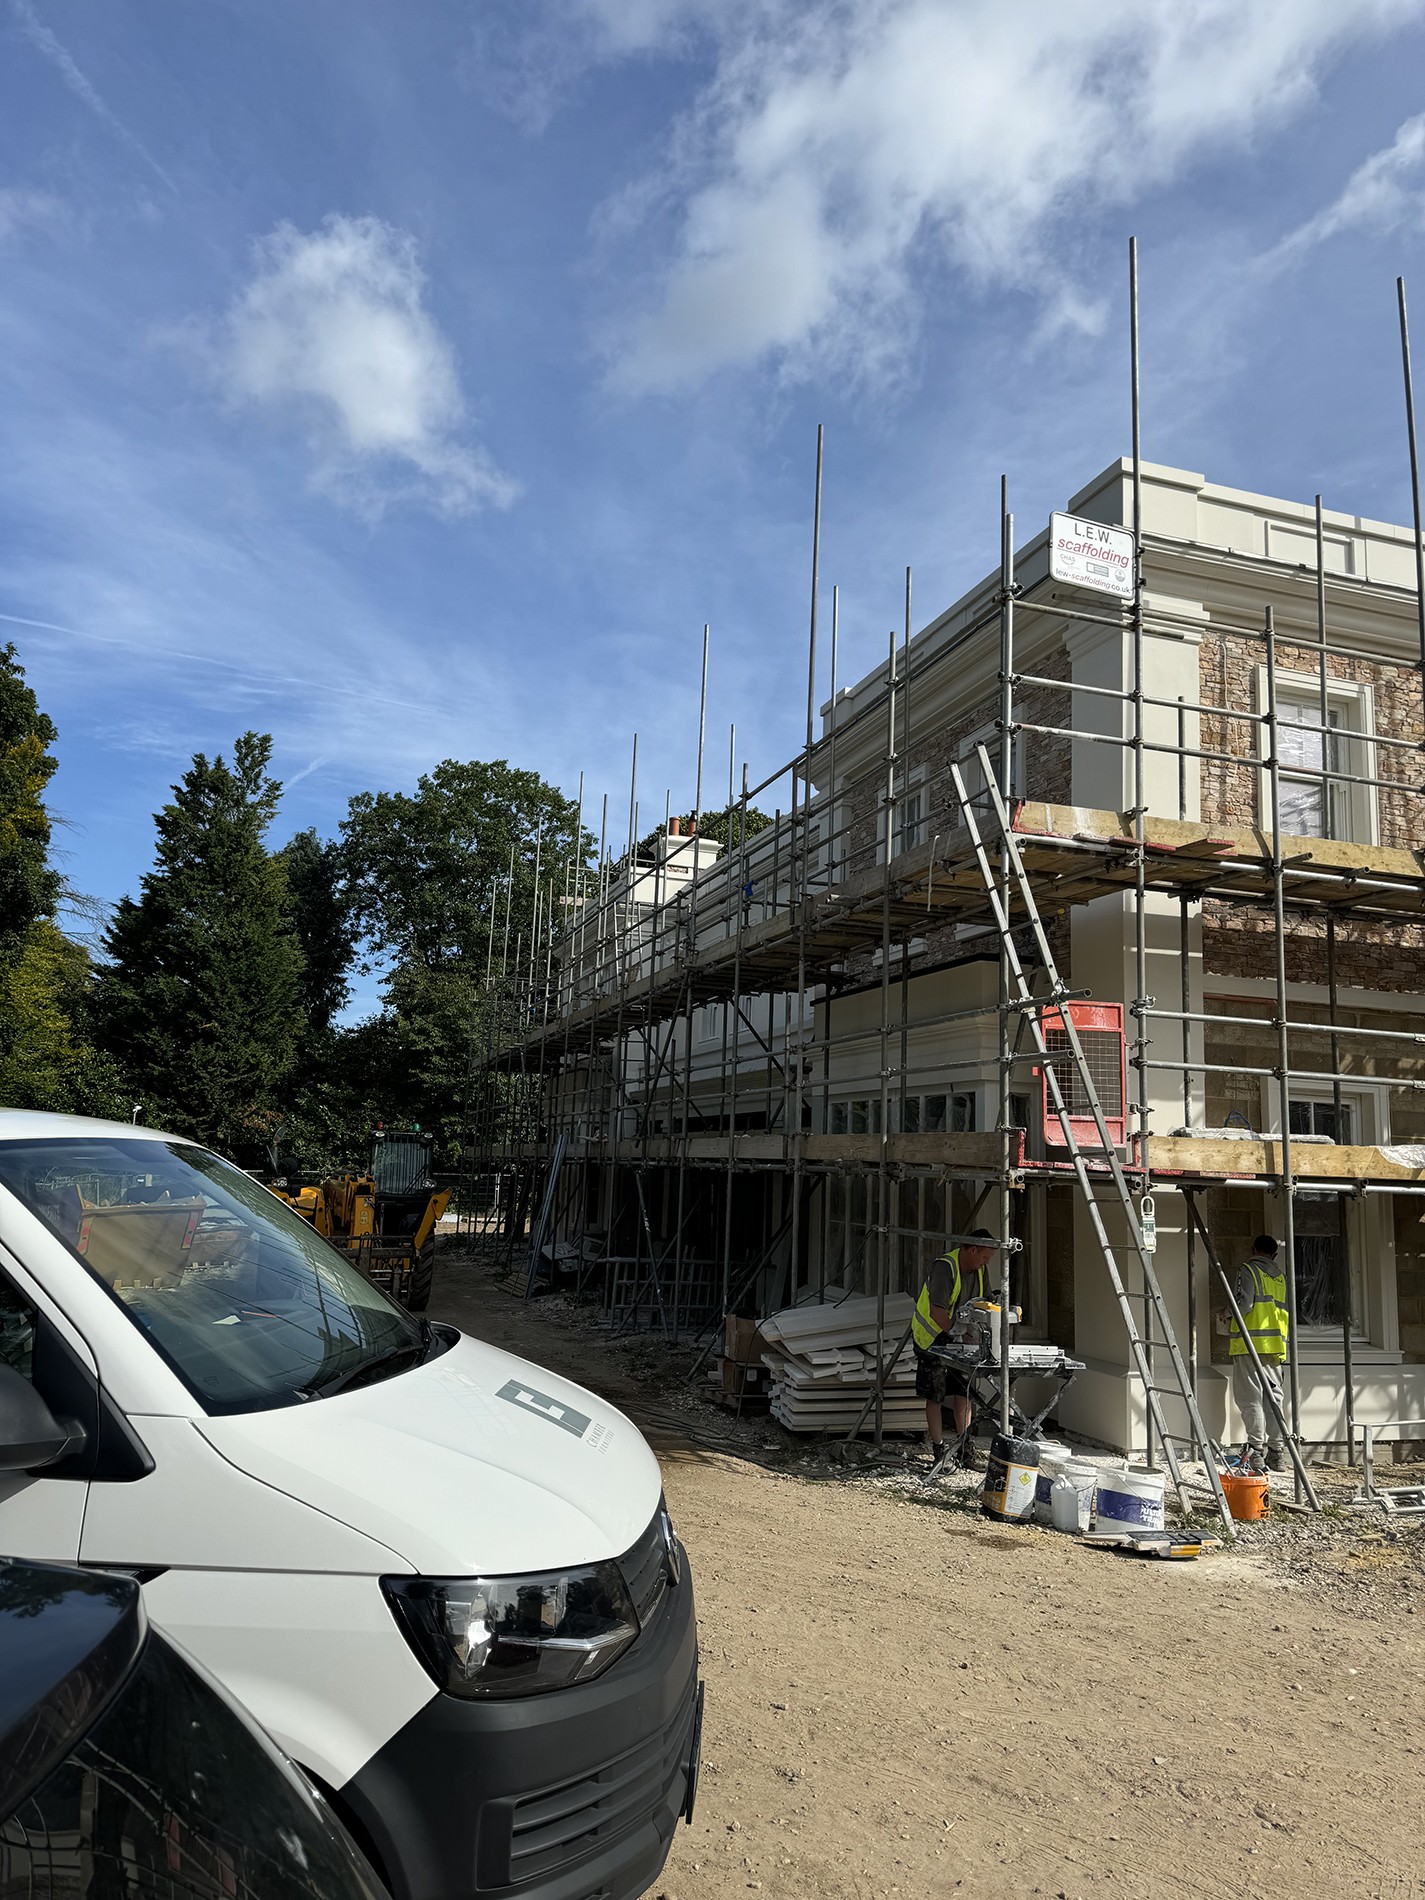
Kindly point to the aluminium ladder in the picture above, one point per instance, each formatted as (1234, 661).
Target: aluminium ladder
(1012, 868)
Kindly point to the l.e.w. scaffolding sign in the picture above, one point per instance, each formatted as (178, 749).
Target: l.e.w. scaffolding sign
(1090, 554)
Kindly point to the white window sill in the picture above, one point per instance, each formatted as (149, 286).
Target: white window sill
(1361, 1355)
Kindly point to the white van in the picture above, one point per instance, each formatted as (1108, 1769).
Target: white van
(443, 1579)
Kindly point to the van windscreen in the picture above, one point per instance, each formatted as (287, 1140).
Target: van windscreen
(244, 1300)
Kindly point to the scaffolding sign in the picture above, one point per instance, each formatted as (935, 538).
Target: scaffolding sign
(1092, 554)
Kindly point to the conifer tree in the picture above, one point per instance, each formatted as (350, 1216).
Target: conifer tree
(200, 1001)
(29, 887)
(321, 917)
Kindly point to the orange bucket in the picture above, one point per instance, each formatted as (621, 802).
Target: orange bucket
(1248, 1495)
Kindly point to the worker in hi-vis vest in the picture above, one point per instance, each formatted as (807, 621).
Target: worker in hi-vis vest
(1261, 1294)
(958, 1275)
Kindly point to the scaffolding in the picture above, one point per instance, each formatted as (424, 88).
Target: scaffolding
(686, 1174)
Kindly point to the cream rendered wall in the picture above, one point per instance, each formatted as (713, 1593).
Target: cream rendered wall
(1104, 1403)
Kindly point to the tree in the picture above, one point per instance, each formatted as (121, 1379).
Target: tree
(430, 877)
(426, 870)
(48, 1061)
(321, 920)
(200, 1000)
(29, 886)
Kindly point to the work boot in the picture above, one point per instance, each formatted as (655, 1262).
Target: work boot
(1276, 1458)
(937, 1452)
(970, 1459)
(1254, 1462)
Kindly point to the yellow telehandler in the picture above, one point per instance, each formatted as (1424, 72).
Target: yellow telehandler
(385, 1220)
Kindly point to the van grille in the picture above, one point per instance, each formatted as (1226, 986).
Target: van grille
(578, 1818)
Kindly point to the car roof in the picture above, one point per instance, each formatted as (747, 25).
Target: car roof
(24, 1124)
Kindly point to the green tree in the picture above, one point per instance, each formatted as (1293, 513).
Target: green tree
(321, 920)
(430, 877)
(48, 1061)
(426, 870)
(200, 1000)
(29, 886)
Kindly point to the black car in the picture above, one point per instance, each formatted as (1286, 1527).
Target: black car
(126, 1773)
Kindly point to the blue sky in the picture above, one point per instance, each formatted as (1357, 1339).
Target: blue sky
(414, 382)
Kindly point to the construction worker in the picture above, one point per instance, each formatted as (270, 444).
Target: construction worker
(957, 1276)
(1260, 1292)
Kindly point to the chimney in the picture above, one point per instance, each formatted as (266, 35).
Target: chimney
(675, 827)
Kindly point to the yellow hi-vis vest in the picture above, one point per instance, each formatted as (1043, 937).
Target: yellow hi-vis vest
(1268, 1320)
(923, 1329)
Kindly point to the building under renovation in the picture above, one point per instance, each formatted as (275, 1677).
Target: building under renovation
(1076, 900)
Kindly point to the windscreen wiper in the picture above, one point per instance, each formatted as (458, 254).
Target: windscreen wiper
(398, 1357)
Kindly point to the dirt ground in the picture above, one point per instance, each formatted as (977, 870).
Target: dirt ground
(904, 1699)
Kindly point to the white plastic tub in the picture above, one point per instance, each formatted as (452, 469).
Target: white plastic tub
(1130, 1498)
(1052, 1459)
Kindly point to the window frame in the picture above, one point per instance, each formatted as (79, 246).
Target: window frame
(1367, 1225)
(1355, 808)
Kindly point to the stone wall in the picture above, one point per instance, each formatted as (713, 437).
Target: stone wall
(1360, 1059)
(1227, 670)
(1240, 940)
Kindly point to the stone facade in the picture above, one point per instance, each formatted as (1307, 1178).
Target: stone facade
(1238, 941)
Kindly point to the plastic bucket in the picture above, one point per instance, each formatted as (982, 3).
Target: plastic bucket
(1072, 1501)
(1130, 1498)
(1010, 1478)
(1052, 1459)
(1248, 1495)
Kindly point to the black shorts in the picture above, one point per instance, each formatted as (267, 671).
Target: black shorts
(935, 1378)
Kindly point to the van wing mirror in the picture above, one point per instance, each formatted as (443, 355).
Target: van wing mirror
(30, 1434)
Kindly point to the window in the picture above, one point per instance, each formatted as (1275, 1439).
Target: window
(1344, 1243)
(1319, 767)
(1328, 1268)
(840, 1112)
(1319, 1118)
(909, 822)
(246, 1303)
(909, 813)
(17, 1330)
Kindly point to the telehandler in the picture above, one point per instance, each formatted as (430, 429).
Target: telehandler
(385, 1220)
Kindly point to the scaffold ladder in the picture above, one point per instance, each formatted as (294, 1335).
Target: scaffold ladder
(1021, 999)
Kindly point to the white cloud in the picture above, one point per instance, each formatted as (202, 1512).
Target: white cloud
(332, 330)
(836, 146)
(1383, 195)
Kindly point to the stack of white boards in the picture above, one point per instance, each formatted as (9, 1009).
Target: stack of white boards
(822, 1358)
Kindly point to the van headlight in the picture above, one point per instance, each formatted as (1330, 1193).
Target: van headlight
(509, 1636)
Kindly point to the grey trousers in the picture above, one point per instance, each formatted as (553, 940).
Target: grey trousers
(1258, 1421)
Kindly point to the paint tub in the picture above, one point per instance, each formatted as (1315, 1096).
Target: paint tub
(1130, 1498)
(1248, 1495)
(1052, 1459)
(1071, 1501)
(1010, 1478)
